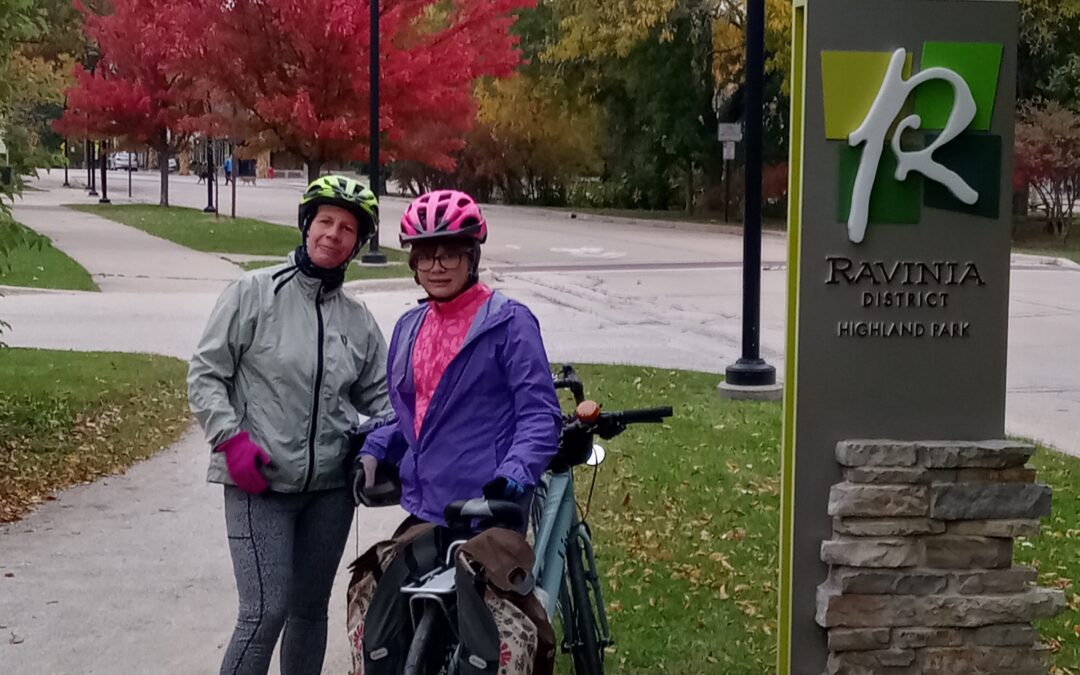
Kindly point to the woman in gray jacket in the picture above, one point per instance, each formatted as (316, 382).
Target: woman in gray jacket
(286, 362)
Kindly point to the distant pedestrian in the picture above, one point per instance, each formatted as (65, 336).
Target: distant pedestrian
(228, 169)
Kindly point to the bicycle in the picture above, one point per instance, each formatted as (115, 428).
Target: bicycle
(565, 563)
(565, 571)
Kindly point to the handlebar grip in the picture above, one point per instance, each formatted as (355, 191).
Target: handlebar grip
(640, 416)
(508, 514)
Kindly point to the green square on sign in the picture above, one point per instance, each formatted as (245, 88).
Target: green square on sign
(978, 63)
(977, 159)
(891, 202)
(850, 83)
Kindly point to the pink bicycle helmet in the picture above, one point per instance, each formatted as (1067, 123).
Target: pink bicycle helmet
(443, 213)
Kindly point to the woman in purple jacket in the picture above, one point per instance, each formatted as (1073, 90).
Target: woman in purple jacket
(469, 379)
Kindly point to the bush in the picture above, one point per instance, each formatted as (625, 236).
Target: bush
(1048, 159)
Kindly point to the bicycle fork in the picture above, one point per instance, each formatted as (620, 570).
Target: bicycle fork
(592, 576)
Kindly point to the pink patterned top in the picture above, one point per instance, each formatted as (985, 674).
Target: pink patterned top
(441, 336)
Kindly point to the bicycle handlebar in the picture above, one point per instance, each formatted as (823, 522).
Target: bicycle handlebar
(608, 425)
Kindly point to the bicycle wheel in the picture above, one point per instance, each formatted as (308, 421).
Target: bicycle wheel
(585, 647)
(427, 652)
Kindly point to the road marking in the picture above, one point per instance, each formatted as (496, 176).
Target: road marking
(590, 252)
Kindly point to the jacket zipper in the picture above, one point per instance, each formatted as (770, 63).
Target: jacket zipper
(317, 393)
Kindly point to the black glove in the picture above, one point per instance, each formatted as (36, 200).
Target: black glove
(506, 489)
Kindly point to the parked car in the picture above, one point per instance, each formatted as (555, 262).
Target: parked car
(124, 160)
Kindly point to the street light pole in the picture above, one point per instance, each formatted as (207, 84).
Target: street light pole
(751, 374)
(235, 173)
(209, 177)
(104, 182)
(67, 152)
(93, 177)
(374, 255)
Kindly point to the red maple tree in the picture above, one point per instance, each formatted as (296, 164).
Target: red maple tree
(136, 91)
(295, 72)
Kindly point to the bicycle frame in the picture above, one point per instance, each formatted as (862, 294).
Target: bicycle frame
(558, 521)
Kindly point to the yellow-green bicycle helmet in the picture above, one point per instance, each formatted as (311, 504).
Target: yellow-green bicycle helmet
(347, 193)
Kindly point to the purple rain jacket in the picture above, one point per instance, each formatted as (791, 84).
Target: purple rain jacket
(494, 412)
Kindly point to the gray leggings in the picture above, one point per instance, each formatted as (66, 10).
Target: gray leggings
(285, 550)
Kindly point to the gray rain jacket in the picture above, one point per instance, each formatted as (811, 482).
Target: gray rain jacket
(292, 364)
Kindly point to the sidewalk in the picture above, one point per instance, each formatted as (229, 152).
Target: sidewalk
(121, 258)
(132, 574)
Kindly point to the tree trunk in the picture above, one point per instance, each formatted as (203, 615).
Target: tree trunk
(313, 170)
(163, 169)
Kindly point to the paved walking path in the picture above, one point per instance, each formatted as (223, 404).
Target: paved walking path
(120, 258)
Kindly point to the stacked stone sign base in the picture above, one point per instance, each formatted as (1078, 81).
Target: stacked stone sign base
(921, 578)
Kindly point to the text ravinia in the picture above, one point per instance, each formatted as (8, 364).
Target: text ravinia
(902, 272)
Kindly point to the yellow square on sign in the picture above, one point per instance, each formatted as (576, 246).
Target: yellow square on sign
(850, 83)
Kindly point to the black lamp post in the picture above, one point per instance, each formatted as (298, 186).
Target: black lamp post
(91, 58)
(751, 371)
(93, 177)
(104, 174)
(209, 177)
(374, 255)
(67, 152)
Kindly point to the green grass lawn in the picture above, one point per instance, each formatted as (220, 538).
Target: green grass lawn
(201, 231)
(359, 271)
(35, 263)
(70, 417)
(1050, 247)
(686, 516)
(1056, 554)
(1030, 236)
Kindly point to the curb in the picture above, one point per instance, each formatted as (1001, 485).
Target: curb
(9, 291)
(377, 285)
(1045, 260)
(403, 284)
(658, 224)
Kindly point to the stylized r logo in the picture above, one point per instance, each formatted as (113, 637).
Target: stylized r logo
(874, 129)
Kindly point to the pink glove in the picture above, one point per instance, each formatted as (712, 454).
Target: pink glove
(244, 459)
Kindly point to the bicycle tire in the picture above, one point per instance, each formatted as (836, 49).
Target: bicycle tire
(587, 653)
(419, 658)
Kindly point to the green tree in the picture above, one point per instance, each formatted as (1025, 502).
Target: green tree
(662, 70)
(1049, 51)
(18, 23)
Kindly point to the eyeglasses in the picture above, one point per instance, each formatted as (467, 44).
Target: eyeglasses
(449, 261)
